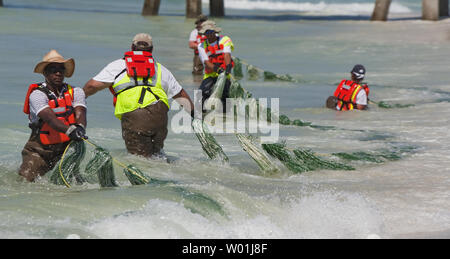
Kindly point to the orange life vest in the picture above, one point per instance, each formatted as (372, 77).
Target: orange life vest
(216, 56)
(200, 40)
(139, 64)
(63, 109)
(346, 93)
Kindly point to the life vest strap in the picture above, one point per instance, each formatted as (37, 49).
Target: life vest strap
(143, 91)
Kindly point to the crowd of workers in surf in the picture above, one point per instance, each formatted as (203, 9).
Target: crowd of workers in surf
(142, 88)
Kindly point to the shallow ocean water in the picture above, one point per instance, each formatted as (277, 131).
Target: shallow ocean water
(407, 63)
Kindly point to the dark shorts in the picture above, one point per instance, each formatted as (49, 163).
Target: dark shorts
(207, 89)
(38, 159)
(144, 130)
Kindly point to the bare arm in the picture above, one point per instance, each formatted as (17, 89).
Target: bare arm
(210, 65)
(93, 86)
(48, 116)
(361, 107)
(227, 57)
(80, 115)
(184, 100)
(193, 45)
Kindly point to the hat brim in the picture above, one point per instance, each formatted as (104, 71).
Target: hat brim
(69, 64)
(216, 29)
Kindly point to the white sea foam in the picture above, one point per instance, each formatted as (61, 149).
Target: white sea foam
(318, 215)
(323, 7)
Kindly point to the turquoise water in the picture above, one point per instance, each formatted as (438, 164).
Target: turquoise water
(406, 63)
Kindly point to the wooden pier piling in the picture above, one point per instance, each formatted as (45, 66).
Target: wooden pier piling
(193, 8)
(151, 7)
(433, 9)
(216, 8)
(381, 10)
(1, 3)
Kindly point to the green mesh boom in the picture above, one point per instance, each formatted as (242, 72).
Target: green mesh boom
(68, 169)
(299, 161)
(209, 144)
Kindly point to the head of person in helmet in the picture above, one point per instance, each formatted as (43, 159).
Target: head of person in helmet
(358, 73)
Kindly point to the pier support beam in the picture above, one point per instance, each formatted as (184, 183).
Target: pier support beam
(433, 9)
(151, 7)
(193, 8)
(1, 3)
(216, 8)
(381, 10)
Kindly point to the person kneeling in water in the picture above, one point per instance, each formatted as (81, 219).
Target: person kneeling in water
(351, 94)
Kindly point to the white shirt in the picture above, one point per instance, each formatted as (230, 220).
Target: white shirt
(202, 52)
(193, 35)
(361, 98)
(39, 101)
(168, 82)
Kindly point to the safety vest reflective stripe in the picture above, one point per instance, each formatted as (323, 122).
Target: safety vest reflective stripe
(59, 109)
(132, 83)
(218, 52)
(355, 93)
(346, 93)
(132, 97)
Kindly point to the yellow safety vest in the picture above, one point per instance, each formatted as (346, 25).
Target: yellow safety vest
(132, 95)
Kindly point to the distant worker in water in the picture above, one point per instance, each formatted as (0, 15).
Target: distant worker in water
(215, 53)
(195, 39)
(57, 115)
(351, 94)
(142, 88)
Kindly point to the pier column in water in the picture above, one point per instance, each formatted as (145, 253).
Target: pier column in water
(151, 7)
(433, 9)
(381, 10)
(193, 8)
(216, 8)
(1, 3)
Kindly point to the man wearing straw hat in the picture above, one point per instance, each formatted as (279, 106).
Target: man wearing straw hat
(215, 53)
(142, 88)
(196, 38)
(57, 114)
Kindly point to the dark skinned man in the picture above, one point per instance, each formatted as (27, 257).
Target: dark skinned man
(57, 115)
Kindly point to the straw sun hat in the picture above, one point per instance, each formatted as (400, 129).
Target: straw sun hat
(54, 57)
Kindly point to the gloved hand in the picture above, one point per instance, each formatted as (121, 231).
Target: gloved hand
(76, 132)
(228, 70)
(218, 69)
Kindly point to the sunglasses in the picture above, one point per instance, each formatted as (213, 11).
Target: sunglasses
(209, 32)
(55, 69)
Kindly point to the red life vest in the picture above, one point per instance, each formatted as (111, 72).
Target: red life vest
(366, 88)
(63, 109)
(216, 56)
(346, 93)
(139, 64)
(200, 40)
